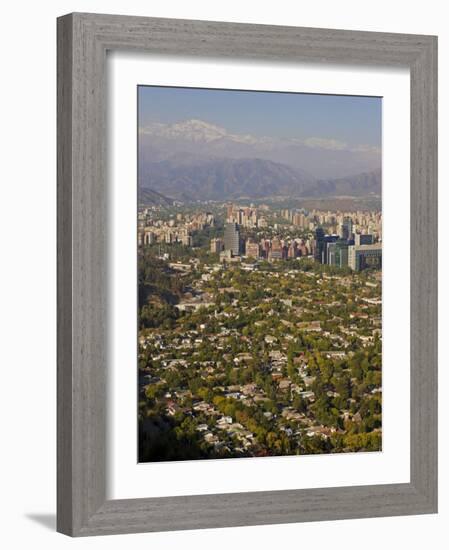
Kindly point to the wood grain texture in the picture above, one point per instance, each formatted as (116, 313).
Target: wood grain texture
(424, 276)
(83, 40)
(64, 277)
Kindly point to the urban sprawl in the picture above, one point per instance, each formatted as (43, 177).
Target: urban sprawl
(259, 331)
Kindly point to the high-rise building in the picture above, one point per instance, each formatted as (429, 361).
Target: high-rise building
(319, 244)
(187, 240)
(286, 214)
(364, 256)
(304, 251)
(362, 239)
(216, 246)
(337, 253)
(328, 239)
(232, 238)
(252, 249)
(293, 250)
(149, 237)
(346, 228)
(331, 250)
(276, 250)
(265, 248)
(341, 253)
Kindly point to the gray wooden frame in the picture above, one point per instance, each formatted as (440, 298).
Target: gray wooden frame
(83, 40)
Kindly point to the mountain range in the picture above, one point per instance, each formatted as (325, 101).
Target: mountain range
(150, 197)
(196, 160)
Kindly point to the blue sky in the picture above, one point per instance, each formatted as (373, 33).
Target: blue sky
(353, 119)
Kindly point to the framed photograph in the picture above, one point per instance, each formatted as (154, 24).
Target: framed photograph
(247, 274)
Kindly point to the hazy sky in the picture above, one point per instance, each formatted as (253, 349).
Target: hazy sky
(352, 119)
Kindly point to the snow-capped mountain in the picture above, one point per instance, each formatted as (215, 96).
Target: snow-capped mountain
(196, 131)
(316, 157)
